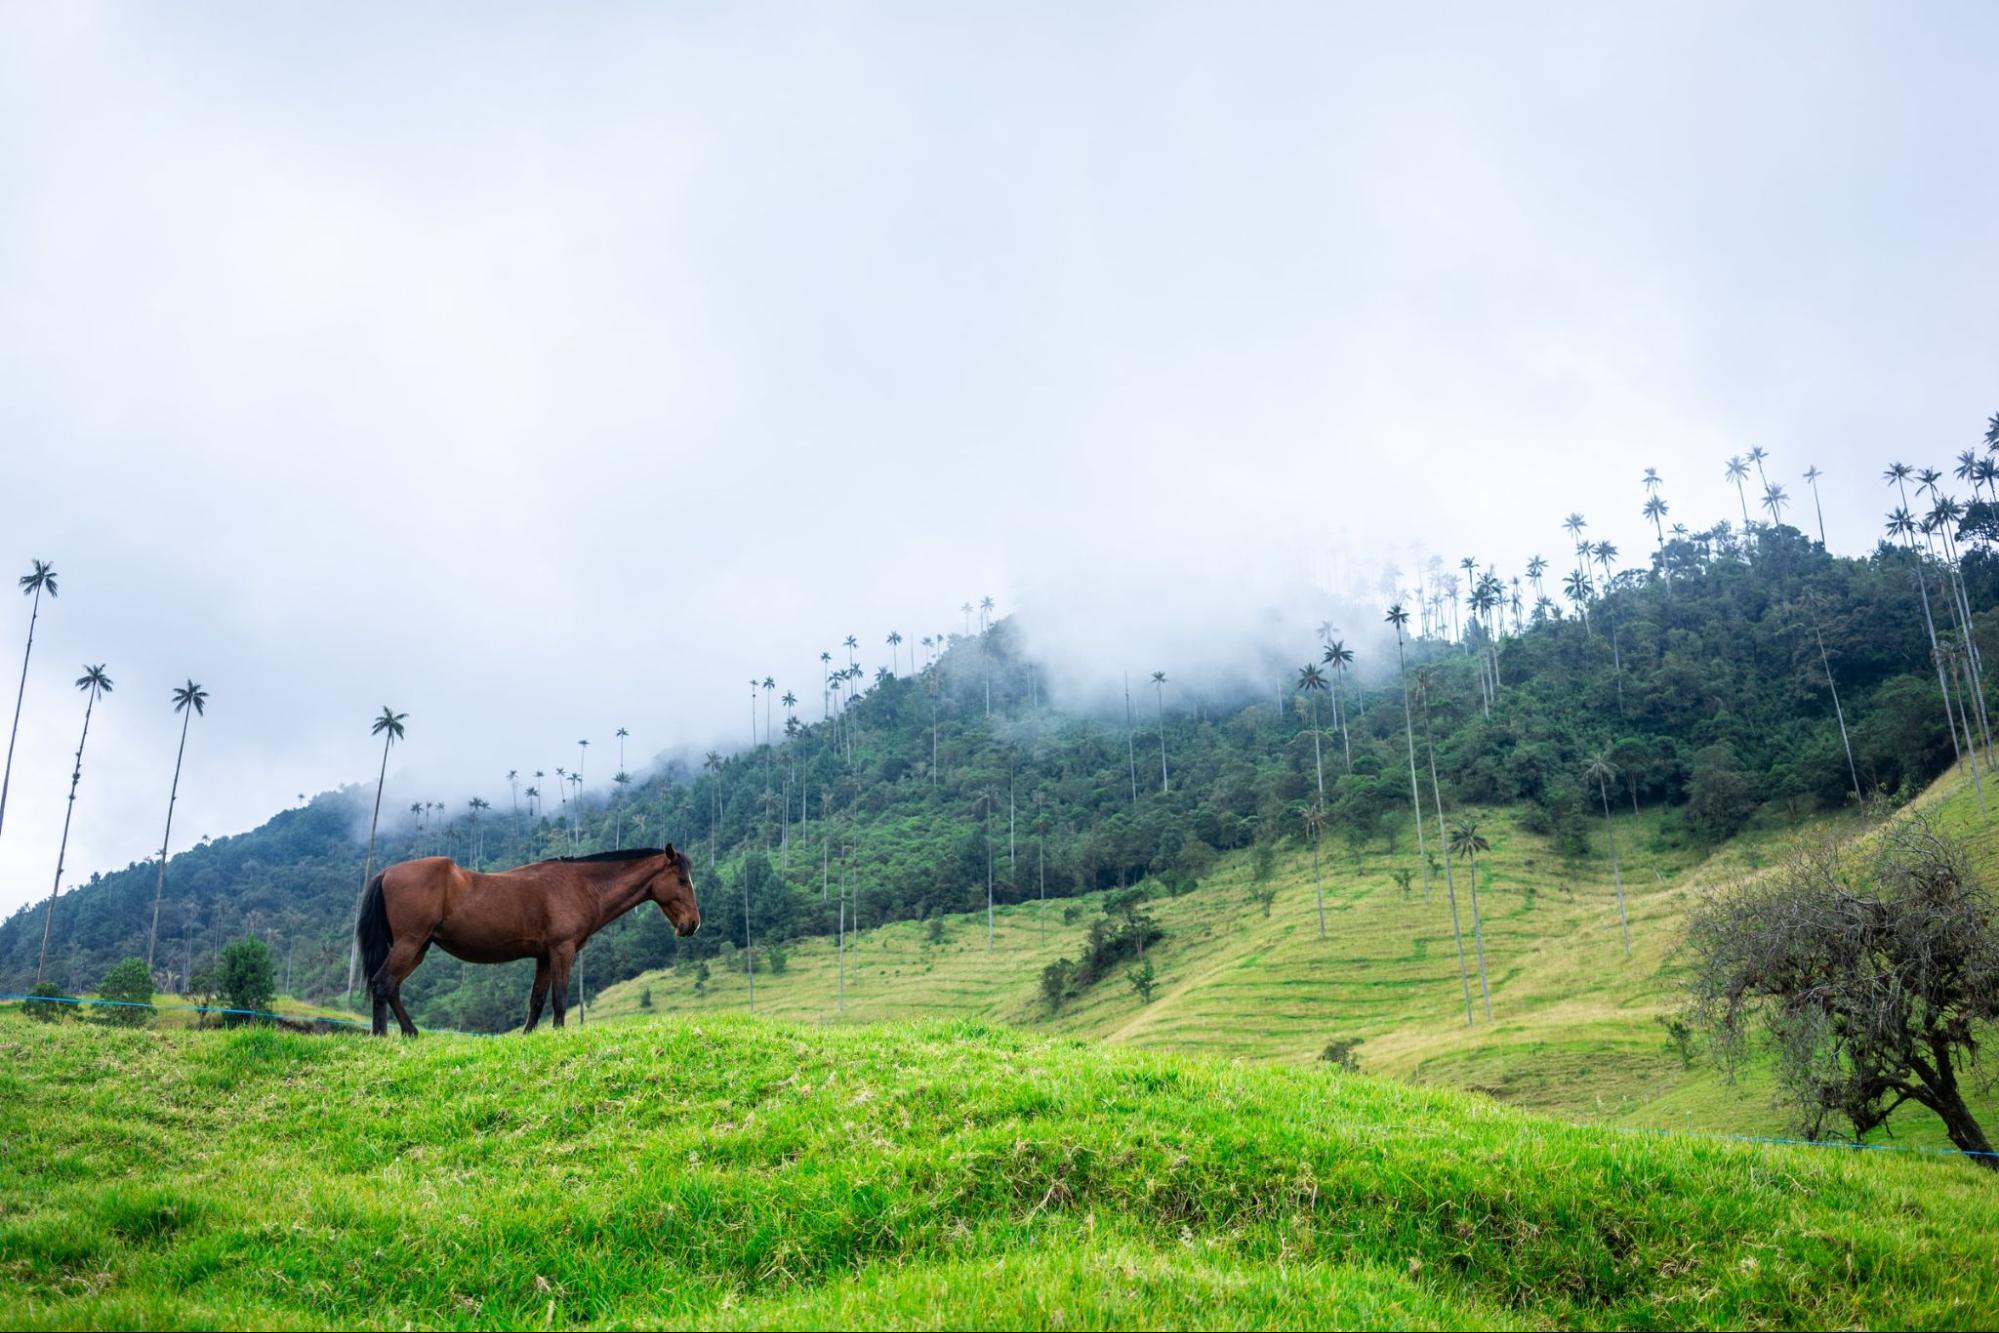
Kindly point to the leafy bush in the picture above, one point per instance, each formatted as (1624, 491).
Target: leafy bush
(1343, 1053)
(129, 983)
(42, 1008)
(246, 978)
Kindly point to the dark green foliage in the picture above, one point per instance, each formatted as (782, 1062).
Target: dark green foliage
(1058, 980)
(245, 977)
(40, 1008)
(1143, 980)
(1343, 1053)
(130, 984)
(1680, 1034)
(645, 997)
(1719, 798)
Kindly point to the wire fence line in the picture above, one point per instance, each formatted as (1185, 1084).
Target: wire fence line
(1766, 1140)
(203, 1010)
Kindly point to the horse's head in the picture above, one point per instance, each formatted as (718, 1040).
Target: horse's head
(673, 889)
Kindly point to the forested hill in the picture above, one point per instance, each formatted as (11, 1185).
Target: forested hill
(916, 794)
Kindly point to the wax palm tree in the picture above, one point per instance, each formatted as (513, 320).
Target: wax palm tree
(621, 734)
(95, 685)
(389, 726)
(1450, 877)
(1159, 694)
(1825, 661)
(623, 781)
(825, 684)
(1314, 816)
(1652, 481)
(1312, 683)
(514, 794)
(1536, 567)
(850, 643)
(894, 642)
(1656, 509)
(985, 613)
(1774, 500)
(1576, 588)
(1399, 617)
(1901, 524)
(478, 805)
(40, 578)
(1574, 525)
(966, 610)
(533, 794)
(189, 700)
(1338, 656)
(1602, 772)
(1468, 843)
(1812, 475)
(1756, 456)
(1738, 472)
(712, 763)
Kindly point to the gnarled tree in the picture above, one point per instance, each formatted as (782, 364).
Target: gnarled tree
(1871, 974)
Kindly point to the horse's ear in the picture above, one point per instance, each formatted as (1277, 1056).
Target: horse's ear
(670, 853)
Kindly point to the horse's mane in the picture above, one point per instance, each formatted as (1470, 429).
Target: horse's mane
(628, 854)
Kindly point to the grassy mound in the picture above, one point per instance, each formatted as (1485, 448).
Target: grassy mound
(733, 1172)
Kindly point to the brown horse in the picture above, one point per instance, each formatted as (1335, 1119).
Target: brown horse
(543, 911)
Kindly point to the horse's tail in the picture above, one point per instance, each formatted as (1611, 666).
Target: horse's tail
(371, 930)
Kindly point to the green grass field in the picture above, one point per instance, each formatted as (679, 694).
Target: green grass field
(720, 1171)
(1576, 1027)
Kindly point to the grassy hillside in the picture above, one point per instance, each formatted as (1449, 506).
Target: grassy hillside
(1576, 1028)
(727, 1172)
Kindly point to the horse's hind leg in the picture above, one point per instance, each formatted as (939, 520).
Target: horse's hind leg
(540, 993)
(388, 983)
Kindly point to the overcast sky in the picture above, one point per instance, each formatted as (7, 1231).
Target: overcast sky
(544, 369)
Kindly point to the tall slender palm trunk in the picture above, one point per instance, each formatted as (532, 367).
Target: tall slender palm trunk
(1415, 792)
(1450, 884)
(1936, 655)
(20, 693)
(1318, 764)
(1610, 832)
(173, 794)
(1339, 716)
(1851, 769)
(368, 865)
(62, 849)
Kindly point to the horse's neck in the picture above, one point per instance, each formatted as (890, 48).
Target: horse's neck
(618, 894)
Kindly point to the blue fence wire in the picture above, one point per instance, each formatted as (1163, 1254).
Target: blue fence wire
(203, 1010)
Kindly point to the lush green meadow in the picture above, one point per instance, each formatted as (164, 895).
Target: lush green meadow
(1578, 1029)
(723, 1171)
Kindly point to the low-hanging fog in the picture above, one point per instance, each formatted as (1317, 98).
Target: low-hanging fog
(543, 371)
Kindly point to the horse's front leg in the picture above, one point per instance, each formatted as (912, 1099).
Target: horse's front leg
(560, 958)
(540, 994)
